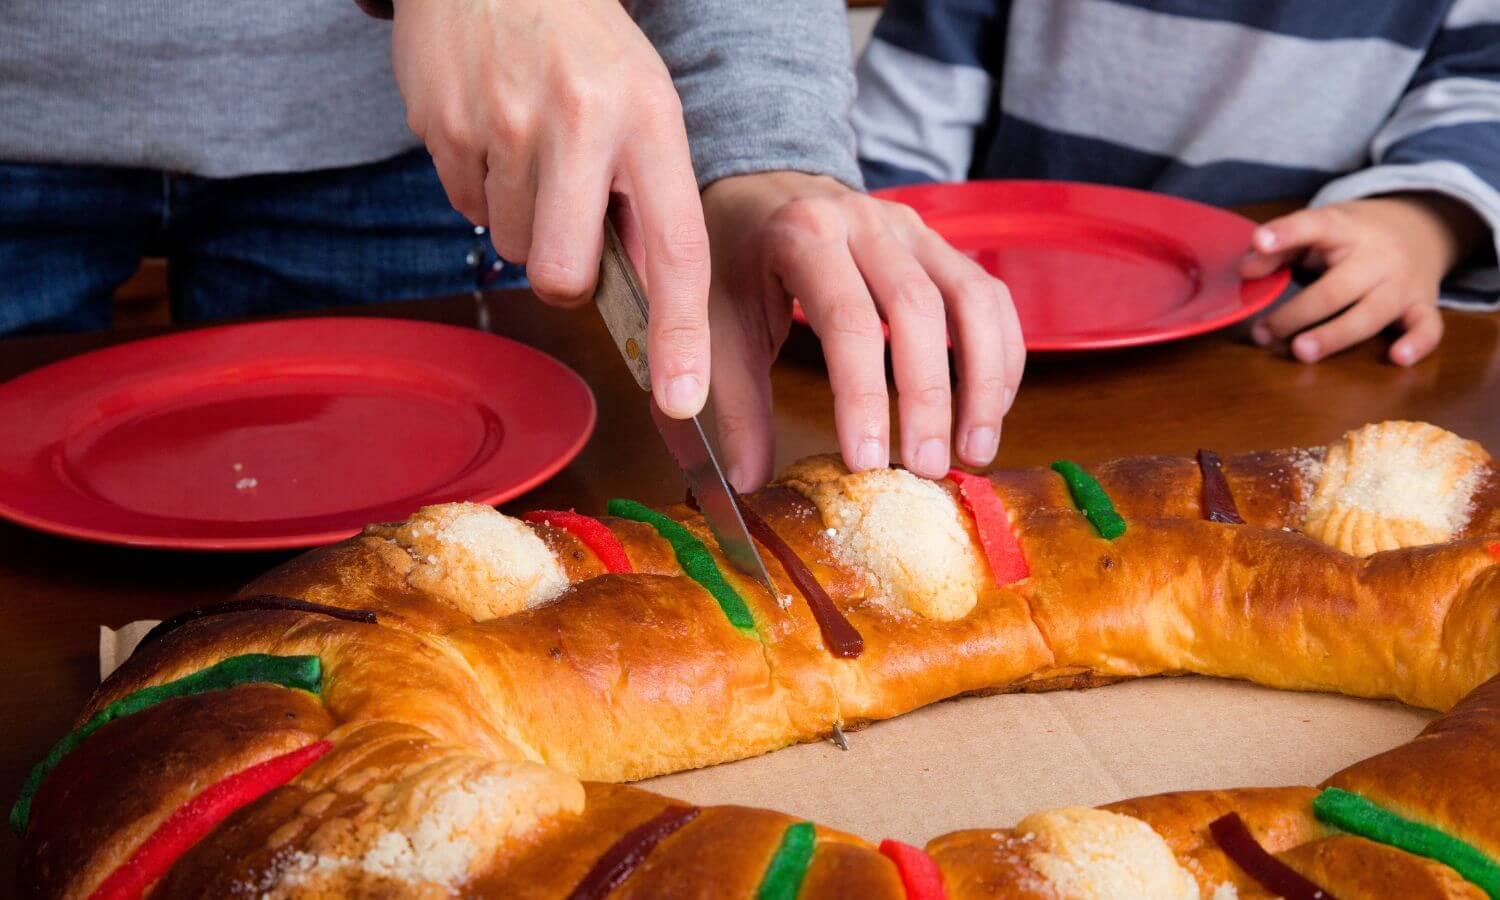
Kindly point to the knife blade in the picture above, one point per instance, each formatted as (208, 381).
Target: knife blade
(622, 304)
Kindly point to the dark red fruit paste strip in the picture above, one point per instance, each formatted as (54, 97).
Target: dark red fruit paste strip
(615, 865)
(1218, 502)
(1239, 844)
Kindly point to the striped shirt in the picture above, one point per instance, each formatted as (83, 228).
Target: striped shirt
(1223, 101)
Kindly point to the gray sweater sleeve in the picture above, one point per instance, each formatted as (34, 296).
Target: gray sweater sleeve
(765, 84)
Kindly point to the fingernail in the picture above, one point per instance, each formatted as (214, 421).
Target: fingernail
(1402, 355)
(1305, 349)
(1264, 240)
(1007, 397)
(870, 455)
(932, 458)
(1260, 333)
(682, 396)
(980, 444)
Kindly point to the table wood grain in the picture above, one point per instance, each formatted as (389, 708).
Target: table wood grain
(1215, 391)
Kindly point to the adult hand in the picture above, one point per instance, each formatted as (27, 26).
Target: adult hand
(1384, 260)
(536, 111)
(849, 259)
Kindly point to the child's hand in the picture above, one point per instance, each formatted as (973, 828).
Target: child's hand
(1384, 259)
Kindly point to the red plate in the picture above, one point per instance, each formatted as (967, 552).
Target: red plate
(1093, 267)
(282, 434)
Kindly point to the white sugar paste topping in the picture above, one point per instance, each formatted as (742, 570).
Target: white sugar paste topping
(1090, 854)
(906, 532)
(487, 564)
(462, 816)
(1407, 481)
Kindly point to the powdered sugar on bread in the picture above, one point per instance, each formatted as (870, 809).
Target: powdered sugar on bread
(1392, 485)
(486, 564)
(906, 533)
(1091, 854)
(433, 829)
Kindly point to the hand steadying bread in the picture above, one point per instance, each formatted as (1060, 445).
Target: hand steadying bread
(440, 706)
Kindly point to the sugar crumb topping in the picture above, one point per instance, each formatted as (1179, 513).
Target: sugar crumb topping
(1091, 854)
(459, 826)
(1395, 484)
(904, 531)
(486, 563)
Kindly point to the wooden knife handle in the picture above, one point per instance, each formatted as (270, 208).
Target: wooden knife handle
(622, 303)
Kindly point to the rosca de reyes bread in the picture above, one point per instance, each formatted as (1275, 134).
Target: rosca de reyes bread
(446, 706)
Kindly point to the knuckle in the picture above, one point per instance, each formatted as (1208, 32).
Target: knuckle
(686, 243)
(1015, 361)
(987, 388)
(512, 123)
(658, 102)
(455, 133)
(919, 297)
(734, 426)
(867, 400)
(905, 215)
(933, 394)
(1324, 302)
(470, 204)
(984, 293)
(1328, 218)
(554, 276)
(679, 339)
(808, 218)
(853, 320)
(511, 241)
(580, 101)
(874, 214)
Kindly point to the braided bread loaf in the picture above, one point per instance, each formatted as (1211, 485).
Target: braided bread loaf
(445, 706)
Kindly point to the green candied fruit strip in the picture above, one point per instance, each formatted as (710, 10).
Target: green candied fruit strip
(783, 878)
(300, 672)
(693, 556)
(1091, 500)
(1356, 815)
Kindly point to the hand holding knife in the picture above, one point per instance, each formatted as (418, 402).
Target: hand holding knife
(623, 305)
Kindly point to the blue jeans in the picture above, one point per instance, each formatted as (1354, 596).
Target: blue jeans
(70, 235)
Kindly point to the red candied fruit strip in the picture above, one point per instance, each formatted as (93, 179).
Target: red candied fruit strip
(1235, 839)
(590, 531)
(1494, 548)
(193, 820)
(919, 872)
(1007, 561)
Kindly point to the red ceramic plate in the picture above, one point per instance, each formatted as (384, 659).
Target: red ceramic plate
(1093, 267)
(282, 434)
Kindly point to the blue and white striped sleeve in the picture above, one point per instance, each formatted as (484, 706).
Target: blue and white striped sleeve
(924, 89)
(1444, 137)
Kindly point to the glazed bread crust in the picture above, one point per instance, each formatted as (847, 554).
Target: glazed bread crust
(479, 724)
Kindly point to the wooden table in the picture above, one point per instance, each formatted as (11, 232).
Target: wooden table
(1215, 391)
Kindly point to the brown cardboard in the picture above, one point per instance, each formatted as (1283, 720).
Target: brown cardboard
(988, 761)
(116, 646)
(980, 762)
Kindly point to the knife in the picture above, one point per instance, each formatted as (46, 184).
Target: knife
(623, 305)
